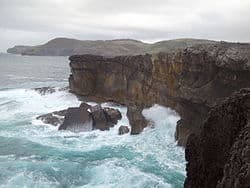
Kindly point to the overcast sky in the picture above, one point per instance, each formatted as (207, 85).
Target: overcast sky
(32, 22)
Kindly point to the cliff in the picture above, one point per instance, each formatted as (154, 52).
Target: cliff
(189, 81)
(67, 47)
(220, 156)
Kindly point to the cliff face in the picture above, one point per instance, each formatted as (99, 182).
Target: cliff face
(220, 155)
(189, 81)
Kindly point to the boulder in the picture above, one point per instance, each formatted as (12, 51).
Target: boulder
(83, 118)
(112, 115)
(55, 118)
(85, 106)
(123, 130)
(77, 120)
(100, 119)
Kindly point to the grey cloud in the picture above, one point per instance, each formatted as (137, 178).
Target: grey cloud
(36, 21)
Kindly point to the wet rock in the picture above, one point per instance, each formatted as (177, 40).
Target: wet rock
(45, 90)
(85, 106)
(64, 88)
(77, 120)
(123, 130)
(55, 118)
(99, 117)
(112, 115)
(83, 118)
(136, 119)
(182, 132)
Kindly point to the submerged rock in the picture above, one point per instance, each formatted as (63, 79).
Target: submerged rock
(49, 90)
(45, 90)
(85, 106)
(123, 130)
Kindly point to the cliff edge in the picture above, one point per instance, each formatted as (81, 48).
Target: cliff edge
(190, 81)
(220, 156)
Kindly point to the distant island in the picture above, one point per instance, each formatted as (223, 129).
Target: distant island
(110, 48)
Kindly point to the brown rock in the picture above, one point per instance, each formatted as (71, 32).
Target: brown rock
(219, 155)
(189, 81)
(112, 115)
(123, 130)
(136, 119)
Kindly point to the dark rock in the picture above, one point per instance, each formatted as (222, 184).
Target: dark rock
(64, 88)
(99, 117)
(71, 136)
(83, 118)
(219, 155)
(189, 81)
(85, 106)
(112, 115)
(123, 130)
(77, 120)
(136, 119)
(45, 90)
(182, 132)
(55, 118)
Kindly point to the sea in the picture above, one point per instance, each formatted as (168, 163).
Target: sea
(37, 155)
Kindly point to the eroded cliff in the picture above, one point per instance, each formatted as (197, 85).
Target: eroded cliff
(189, 81)
(220, 155)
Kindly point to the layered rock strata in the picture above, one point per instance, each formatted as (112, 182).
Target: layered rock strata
(189, 81)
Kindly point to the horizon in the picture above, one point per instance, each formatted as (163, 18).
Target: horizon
(147, 20)
(144, 41)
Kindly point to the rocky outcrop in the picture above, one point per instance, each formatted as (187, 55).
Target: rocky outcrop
(220, 155)
(83, 118)
(112, 115)
(55, 118)
(189, 81)
(77, 120)
(136, 120)
(123, 130)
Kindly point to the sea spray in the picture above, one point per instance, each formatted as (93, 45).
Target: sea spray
(33, 154)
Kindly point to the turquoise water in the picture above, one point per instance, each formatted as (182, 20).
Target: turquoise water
(33, 154)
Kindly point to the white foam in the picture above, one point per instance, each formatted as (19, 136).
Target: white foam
(110, 174)
(28, 101)
(155, 143)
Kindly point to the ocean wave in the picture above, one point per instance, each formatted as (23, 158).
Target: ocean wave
(39, 155)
